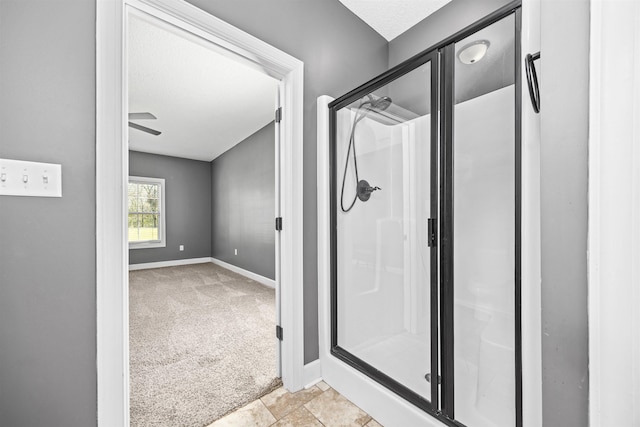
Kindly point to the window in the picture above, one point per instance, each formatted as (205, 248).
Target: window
(146, 213)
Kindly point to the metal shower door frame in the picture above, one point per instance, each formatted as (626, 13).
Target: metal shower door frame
(339, 352)
(442, 56)
(447, 212)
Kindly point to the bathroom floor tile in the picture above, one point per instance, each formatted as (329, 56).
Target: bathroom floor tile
(280, 402)
(255, 414)
(317, 406)
(301, 417)
(334, 410)
(323, 386)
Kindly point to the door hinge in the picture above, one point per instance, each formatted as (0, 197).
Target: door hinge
(279, 115)
(431, 232)
(279, 332)
(279, 223)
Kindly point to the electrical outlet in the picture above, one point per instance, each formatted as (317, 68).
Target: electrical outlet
(182, 247)
(236, 251)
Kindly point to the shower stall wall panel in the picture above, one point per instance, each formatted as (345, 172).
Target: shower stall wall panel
(484, 265)
(384, 261)
(388, 406)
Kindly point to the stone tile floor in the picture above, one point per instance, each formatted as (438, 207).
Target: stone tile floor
(316, 406)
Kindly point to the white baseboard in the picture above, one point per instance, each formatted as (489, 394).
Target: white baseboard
(246, 273)
(172, 263)
(312, 373)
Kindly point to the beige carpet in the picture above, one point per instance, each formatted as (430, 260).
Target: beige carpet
(201, 344)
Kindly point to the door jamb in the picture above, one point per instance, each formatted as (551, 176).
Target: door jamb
(614, 207)
(112, 349)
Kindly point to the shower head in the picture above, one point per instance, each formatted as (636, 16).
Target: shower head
(381, 104)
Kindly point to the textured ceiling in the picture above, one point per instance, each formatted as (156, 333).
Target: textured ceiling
(205, 100)
(390, 18)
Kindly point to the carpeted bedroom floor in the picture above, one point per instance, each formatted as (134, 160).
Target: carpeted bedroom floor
(202, 344)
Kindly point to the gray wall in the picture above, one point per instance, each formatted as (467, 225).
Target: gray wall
(188, 206)
(243, 204)
(564, 128)
(47, 246)
(339, 52)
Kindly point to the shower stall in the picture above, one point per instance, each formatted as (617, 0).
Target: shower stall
(425, 227)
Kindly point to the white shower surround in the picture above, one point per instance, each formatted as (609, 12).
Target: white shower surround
(489, 358)
(384, 260)
(381, 403)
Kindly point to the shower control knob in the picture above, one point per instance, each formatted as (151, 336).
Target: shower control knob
(365, 190)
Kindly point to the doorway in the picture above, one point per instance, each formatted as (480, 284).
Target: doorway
(201, 331)
(111, 179)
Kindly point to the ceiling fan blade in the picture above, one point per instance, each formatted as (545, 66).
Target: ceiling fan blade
(144, 129)
(141, 116)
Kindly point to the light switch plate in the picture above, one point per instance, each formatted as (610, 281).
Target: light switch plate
(22, 178)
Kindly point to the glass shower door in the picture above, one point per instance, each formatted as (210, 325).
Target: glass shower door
(384, 195)
(425, 227)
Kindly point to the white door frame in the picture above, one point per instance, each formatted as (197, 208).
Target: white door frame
(111, 181)
(614, 214)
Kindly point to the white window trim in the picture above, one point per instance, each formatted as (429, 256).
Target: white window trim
(162, 242)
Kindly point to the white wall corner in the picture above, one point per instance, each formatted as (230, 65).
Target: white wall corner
(312, 373)
(322, 194)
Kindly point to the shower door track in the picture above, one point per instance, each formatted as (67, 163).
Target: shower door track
(441, 56)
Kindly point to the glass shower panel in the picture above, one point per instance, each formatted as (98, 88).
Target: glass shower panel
(382, 186)
(484, 188)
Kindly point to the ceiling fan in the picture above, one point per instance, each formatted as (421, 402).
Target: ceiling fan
(143, 116)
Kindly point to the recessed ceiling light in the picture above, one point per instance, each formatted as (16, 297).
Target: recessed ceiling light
(473, 52)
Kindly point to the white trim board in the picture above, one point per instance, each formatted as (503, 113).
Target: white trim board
(175, 262)
(112, 358)
(312, 373)
(170, 263)
(614, 209)
(246, 273)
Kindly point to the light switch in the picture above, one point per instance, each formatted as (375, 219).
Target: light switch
(22, 178)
